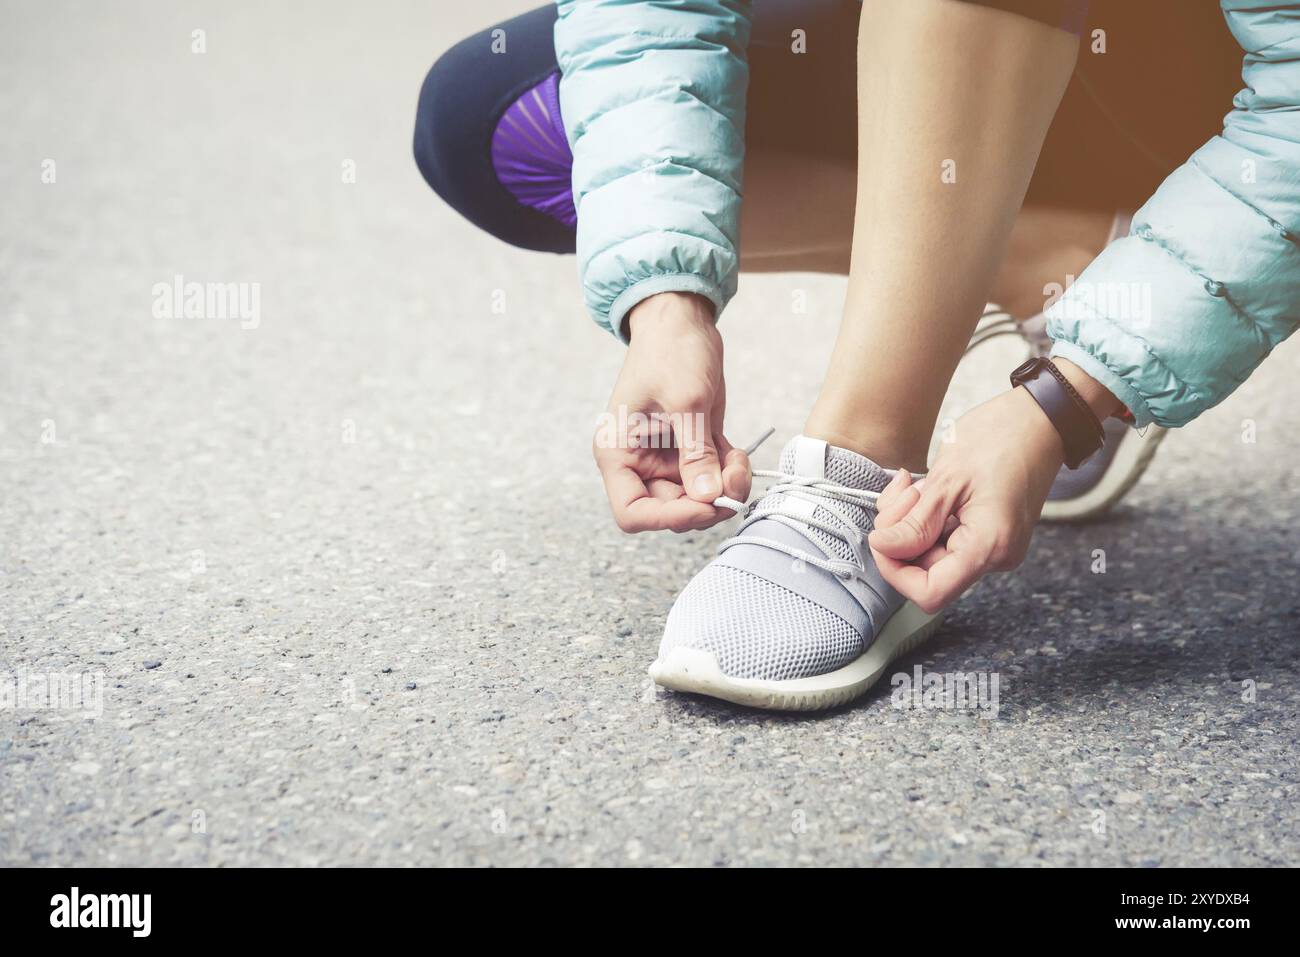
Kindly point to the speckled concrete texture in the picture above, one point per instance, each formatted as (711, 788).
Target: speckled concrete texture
(348, 580)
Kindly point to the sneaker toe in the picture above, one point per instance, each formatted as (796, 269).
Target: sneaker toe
(756, 629)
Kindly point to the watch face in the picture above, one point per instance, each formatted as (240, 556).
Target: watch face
(1025, 369)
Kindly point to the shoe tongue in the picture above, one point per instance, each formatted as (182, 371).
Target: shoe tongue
(813, 458)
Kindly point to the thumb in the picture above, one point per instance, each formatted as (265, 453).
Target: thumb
(697, 455)
(916, 530)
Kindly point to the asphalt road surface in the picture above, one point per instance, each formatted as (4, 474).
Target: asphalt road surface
(342, 573)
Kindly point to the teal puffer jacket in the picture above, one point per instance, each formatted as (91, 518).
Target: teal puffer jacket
(1171, 319)
(653, 98)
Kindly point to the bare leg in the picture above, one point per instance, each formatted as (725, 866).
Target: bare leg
(940, 91)
(926, 252)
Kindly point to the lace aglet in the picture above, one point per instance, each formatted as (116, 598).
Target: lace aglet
(753, 447)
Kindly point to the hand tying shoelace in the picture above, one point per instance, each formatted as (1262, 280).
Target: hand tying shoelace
(823, 494)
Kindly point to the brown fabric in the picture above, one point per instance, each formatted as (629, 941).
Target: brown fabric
(1133, 114)
(1067, 15)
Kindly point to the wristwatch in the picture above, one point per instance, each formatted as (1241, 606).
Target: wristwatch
(1077, 424)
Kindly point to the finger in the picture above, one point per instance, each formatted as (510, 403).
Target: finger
(927, 560)
(902, 503)
(653, 433)
(697, 457)
(638, 508)
(946, 576)
(968, 540)
(889, 495)
(658, 464)
(695, 519)
(930, 558)
(737, 476)
(644, 496)
(662, 490)
(678, 515)
(737, 472)
(623, 487)
(917, 529)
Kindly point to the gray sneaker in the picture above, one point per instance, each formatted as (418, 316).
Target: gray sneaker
(792, 614)
(1092, 489)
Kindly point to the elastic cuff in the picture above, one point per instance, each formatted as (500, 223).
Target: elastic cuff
(1102, 373)
(653, 285)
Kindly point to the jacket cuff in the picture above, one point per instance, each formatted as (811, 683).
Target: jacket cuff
(655, 284)
(1119, 387)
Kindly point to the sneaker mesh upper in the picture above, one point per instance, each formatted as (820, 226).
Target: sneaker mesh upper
(757, 629)
(844, 468)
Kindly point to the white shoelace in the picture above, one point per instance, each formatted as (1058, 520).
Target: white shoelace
(823, 494)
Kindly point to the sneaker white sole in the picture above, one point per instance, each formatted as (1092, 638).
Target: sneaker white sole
(696, 671)
(1134, 455)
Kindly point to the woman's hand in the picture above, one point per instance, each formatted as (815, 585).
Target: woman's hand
(975, 510)
(660, 447)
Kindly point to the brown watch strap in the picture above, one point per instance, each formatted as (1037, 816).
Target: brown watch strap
(1081, 433)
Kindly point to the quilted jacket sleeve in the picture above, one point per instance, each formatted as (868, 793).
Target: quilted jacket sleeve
(1178, 314)
(653, 97)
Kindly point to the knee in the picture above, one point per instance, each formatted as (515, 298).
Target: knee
(461, 102)
(445, 129)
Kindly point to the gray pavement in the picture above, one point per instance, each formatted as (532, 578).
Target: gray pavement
(348, 578)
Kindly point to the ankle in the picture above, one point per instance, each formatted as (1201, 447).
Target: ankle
(887, 448)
